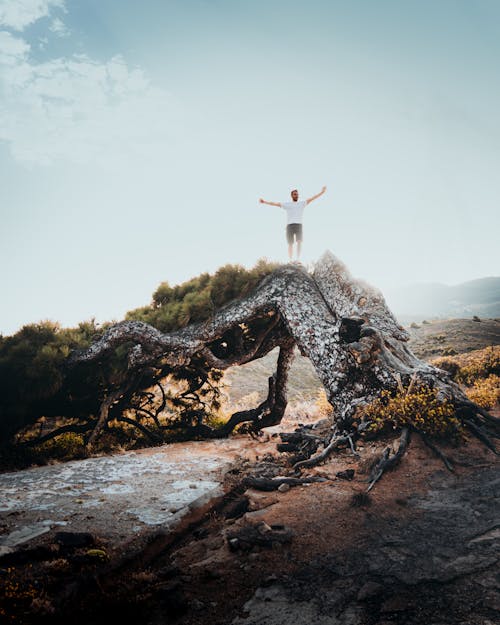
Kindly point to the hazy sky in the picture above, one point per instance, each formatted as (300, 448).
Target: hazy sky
(137, 137)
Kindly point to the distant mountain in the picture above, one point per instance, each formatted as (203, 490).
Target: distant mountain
(477, 297)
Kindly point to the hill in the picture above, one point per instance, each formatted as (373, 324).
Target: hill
(417, 301)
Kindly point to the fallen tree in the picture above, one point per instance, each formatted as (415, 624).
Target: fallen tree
(342, 325)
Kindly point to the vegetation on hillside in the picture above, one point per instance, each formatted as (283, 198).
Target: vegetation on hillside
(478, 371)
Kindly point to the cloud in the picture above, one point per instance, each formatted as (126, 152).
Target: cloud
(18, 14)
(59, 28)
(12, 49)
(80, 110)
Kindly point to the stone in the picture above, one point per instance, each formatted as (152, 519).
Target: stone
(214, 542)
(368, 590)
(197, 605)
(283, 488)
(396, 603)
(74, 539)
(258, 499)
(348, 474)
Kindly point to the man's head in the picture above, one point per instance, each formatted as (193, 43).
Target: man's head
(295, 195)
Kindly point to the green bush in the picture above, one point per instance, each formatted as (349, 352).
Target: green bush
(197, 299)
(35, 381)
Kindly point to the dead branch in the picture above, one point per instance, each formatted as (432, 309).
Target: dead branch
(387, 461)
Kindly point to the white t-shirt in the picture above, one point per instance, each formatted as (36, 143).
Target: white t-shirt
(294, 211)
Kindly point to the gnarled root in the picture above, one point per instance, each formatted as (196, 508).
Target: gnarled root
(387, 461)
(335, 442)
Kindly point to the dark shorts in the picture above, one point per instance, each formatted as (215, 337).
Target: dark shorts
(293, 231)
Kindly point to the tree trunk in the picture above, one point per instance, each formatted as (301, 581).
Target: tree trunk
(341, 324)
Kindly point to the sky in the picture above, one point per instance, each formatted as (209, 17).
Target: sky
(136, 139)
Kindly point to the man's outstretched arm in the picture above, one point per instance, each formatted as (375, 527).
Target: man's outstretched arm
(270, 203)
(315, 197)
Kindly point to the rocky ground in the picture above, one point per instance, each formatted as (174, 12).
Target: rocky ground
(104, 540)
(422, 547)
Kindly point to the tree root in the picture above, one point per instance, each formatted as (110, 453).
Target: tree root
(270, 484)
(322, 456)
(437, 452)
(77, 428)
(387, 461)
(479, 433)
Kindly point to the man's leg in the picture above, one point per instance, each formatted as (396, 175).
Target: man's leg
(290, 251)
(298, 239)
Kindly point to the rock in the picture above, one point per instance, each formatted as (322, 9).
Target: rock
(197, 605)
(168, 571)
(368, 590)
(397, 603)
(258, 499)
(234, 544)
(262, 534)
(283, 488)
(348, 474)
(214, 542)
(492, 601)
(257, 516)
(74, 539)
(237, 508)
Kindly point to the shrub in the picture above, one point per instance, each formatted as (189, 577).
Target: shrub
(196, 300)
(480, 364)
(485, 391)
(467, 368)
(419, 408)
(34, 379)
(63, 447)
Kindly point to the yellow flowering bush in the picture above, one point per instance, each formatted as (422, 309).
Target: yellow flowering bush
(479, 372)
(419, 408)
(485, 392)
(467, 368)
(15, 596)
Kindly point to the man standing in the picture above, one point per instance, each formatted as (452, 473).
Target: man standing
(294, 212)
